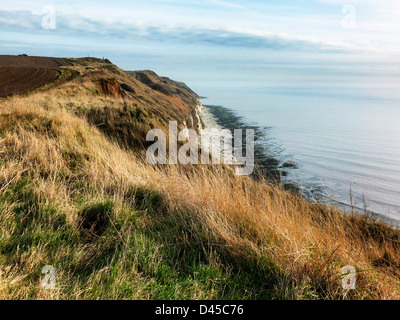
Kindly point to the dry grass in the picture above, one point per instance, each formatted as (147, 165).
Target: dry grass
(117, 228)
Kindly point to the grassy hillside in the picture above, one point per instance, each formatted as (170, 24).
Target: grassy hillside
(76, 193)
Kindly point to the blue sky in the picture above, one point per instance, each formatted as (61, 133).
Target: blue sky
(192, 39)
(290, 64)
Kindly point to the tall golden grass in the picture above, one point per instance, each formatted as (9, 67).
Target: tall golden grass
(66, 158)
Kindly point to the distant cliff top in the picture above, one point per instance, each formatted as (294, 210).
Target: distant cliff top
(139, 100)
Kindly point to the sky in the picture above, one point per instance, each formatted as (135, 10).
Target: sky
(210, 41)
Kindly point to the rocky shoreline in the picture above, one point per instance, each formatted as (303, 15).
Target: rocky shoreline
(268, 165)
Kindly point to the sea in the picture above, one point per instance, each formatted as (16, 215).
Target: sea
(342, 136)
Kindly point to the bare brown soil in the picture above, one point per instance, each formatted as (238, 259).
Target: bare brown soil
(21, 74)
(38, 62)
(110, 87)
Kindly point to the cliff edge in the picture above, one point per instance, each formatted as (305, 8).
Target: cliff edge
(77, 194)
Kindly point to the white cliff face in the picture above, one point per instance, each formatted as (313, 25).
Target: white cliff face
(217, 142)
(194, 120)
(199, 108)
(196, 123)
(208, 120)
(215, 139)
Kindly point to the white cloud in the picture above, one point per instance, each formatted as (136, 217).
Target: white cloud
(224, 22)
(71, 24)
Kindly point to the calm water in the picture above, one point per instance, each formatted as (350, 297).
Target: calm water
(341, 136)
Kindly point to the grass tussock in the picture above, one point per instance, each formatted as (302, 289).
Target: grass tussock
(72, 195)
